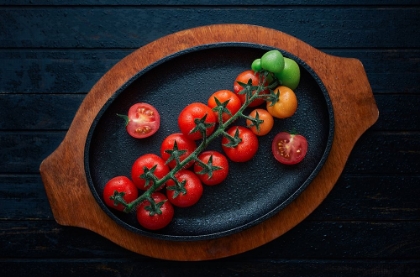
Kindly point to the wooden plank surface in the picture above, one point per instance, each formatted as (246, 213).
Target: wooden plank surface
(368, 224)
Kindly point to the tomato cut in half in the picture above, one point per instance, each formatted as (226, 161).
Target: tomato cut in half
(142, 121)
(289, 148)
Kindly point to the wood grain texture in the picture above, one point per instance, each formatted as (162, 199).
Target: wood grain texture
(136, 26)
(354, 109)
(368, 224)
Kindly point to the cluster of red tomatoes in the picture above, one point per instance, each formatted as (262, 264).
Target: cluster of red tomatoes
(183, 187)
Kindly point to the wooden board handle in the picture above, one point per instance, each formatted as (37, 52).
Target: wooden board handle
(63, 171)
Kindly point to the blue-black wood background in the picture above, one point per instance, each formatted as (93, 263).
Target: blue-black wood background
(52, 52)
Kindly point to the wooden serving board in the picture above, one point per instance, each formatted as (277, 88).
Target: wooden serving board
(64, 175)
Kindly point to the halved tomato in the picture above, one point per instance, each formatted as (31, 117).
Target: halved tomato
(142, 121)
(289, 148)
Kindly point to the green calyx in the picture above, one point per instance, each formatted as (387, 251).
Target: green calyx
(208, 167)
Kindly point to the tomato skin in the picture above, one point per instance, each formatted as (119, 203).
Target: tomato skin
(244, 77)
(233, 105)
(120, 184)
(155, 221)
(288, 148)
(246, 149)
(273, 61)
(142, 121)
(148, 161)
(183, 143)
(219, 175)
(193, 187)
(187, 117)
(290, 75)
(287, 104)
(266, 126)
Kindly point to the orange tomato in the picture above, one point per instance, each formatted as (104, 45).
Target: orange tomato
(286, 105)
(265, 126)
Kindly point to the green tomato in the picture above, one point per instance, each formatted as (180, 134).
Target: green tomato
(256, 65)
(273, 61)
(290, 75)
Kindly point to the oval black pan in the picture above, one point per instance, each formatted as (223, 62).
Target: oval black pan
(254, 190)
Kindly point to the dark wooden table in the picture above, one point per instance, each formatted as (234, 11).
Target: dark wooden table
(53, 52)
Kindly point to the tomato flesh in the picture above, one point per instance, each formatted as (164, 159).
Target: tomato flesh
(143, 120)
(288, 148)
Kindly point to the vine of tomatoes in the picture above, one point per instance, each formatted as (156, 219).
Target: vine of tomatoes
(176, 176)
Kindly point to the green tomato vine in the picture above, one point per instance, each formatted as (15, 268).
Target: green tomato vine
(251, 92)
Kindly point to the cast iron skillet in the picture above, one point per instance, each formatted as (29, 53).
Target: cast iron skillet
(254, 190)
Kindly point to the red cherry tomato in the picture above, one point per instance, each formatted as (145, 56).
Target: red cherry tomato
(244, 77)
(190, 193)
(147, 162)
(247, 147)
(143, 120)
(288, 148)
(217, 160)
(233, 105)
(119, 186)
(183, 143)
(188, 116)
(155, 219)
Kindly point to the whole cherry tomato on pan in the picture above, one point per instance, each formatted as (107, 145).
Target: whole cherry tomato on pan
(290, 75)
(183, 144)
(193, 113)
(286, 104)
(265, 126)
(122, 187)
(289, 148)
(233, 103)
(148, 163)
(155, 218)
(142, 121)
(245, 149)
(219, 167)
(244, 77)
(272, 61)
(190, 192)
